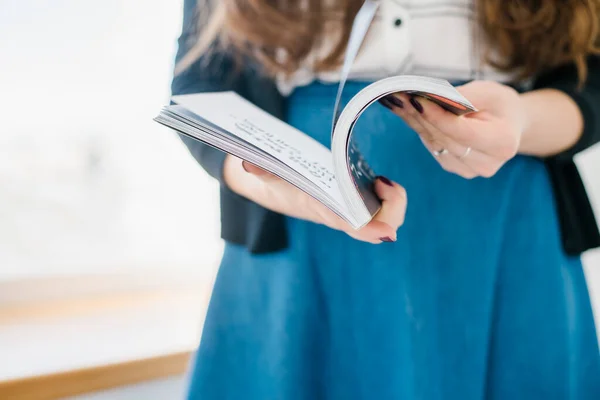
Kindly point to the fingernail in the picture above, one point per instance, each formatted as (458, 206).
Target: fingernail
(395, 101)
(385, 180)
(415, 103)
(385, 102)
(386, 239)
(244, 166)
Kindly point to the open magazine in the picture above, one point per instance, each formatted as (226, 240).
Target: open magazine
(338, 177)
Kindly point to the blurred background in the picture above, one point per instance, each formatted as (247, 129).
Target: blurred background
(108, 228)
(109, 232)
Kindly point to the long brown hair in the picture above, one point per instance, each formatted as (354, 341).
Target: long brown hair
(528, 35)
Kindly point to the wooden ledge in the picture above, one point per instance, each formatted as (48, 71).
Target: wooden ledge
(77, 382)
(92, 305)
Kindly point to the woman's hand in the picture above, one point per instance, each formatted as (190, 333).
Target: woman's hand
(476, 144)
(278, 195)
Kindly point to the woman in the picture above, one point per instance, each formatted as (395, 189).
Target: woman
(481, 293)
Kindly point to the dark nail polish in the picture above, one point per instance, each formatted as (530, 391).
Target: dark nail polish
(415, 103)
(386, 239)
(395, 101)
(385, 102)
(385, 180)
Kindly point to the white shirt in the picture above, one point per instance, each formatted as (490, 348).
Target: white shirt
(437, 38)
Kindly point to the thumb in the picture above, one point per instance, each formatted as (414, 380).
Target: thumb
(257, 171)
(492, 97)
(393, 199)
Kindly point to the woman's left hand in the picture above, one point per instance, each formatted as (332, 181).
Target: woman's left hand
(472, 145)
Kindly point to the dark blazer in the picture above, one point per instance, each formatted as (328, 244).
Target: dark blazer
(260, 230)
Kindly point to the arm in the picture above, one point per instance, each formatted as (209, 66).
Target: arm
(562, 120)
(241, 179)
(554, 120)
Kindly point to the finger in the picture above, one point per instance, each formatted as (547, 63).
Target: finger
(400, 105)
(435, 141)
(258, 172)
(471, 157)
(414, 112)
(477, 162)
(429, 134)
(472, 130)
(374, 232)
(490, 96)
(468, 132)
(450, 163)
(324, 215)
(393, 204)
(435, 135)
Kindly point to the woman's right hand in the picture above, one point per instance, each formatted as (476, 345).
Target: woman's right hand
(282, 197)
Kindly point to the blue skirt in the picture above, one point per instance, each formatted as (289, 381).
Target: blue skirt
(475, 300)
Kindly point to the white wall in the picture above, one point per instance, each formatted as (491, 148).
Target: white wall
(88, 182)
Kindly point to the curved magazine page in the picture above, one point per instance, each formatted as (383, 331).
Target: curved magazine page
(232, 124)
(355, 177)
(360, 26)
